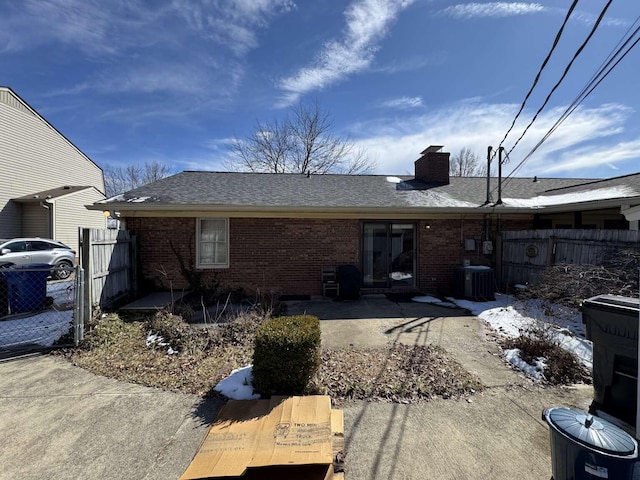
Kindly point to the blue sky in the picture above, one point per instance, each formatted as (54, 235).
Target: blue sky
(131, 81)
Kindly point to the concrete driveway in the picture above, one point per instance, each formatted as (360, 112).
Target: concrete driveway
(59, 421)
(496, 434)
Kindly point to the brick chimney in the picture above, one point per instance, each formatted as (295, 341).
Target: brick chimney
(433, 165)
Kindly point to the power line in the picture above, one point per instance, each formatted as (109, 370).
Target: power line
(535, 81)
(604, 70)
(564, 74)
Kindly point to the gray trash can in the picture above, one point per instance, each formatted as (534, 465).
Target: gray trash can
(586, 447)
(612, 326)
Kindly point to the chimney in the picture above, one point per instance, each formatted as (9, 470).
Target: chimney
(433, 165)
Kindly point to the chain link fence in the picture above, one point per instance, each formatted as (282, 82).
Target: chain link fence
(36, 311)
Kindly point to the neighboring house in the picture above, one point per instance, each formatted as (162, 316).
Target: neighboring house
(275, 232)
(45, 180)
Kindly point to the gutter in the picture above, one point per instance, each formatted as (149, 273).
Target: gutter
(139, 209)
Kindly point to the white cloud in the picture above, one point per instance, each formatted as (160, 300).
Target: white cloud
(403, 103)
(575, 149)
(412, 63)
(232, 24)
(173, 76)
(589, 157)
(367, 22)
(171, 47)
(96, 28)
(492, 9)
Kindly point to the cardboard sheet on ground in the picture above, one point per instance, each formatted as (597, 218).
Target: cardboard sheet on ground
(278, 438)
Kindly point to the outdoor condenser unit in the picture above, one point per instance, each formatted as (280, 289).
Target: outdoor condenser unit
(474, 283)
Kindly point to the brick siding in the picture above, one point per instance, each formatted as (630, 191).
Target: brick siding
(273, 255)
(286, 255)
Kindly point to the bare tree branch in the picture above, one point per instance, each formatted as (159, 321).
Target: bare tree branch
(302, 143)
(121, 179)
(466, 164)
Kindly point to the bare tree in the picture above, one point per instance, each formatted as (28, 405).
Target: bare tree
(302, 143)
(121, 179)
(466, 164)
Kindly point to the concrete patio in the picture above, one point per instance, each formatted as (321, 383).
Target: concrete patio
(59, 421)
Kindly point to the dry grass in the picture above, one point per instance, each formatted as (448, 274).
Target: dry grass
(398, 373)
(562, 366)
(394, 373)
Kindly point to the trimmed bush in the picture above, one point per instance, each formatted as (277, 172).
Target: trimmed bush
(286, 354)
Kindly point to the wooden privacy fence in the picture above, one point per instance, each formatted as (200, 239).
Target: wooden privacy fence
(107, 259)
(523, 256)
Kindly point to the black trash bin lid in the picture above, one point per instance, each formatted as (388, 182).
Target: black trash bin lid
(592, 431)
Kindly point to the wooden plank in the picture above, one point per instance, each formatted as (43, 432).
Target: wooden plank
(571, 246)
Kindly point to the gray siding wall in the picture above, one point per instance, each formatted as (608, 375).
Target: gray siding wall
(35, 221)
(70, 213)
(35, 157)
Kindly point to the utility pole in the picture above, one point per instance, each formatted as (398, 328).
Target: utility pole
(489, 149)
(500, 150)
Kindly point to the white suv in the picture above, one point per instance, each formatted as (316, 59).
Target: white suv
(27, 251)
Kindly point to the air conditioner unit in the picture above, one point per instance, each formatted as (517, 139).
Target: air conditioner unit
(474, 283)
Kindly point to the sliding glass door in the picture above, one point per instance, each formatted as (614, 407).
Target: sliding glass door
(388, 254)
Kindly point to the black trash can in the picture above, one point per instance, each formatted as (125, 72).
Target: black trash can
(586, 447)
(612, 326)
(350, 281)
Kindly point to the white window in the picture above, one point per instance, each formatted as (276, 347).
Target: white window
(212, 243)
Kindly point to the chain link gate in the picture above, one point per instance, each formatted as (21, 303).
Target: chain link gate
(36, 311)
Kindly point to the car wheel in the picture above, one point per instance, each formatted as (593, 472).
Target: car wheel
(62, 270)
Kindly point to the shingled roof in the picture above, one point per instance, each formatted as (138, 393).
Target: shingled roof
(246, 191)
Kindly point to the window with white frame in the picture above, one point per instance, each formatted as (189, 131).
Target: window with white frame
(212, 243)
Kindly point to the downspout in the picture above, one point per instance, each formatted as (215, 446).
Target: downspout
(49, 206)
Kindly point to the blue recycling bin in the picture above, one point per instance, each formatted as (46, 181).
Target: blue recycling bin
(26, 286)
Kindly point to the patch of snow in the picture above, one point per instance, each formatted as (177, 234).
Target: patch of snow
(510, 317)
(429, 198)
(542, 201)
(43, 328)
(433, 300)
(155, 340)
(138, 199)
(237, 386)
(513, 356)
(115, 198)
(62, 293)
(394, 179)
(426, 299)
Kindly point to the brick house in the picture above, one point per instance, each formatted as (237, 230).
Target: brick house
(275, 232)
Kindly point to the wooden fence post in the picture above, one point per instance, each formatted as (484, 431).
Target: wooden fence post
(551, 251)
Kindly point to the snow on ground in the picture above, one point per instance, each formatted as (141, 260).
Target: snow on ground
(237, 386)
(513, 356)
(510, 317)
(45, 327)
(41, 329)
